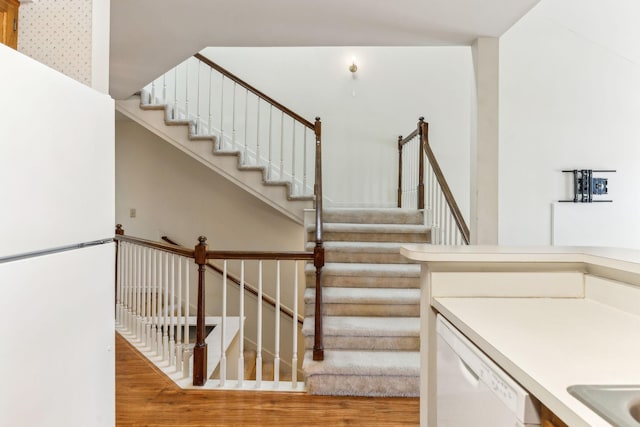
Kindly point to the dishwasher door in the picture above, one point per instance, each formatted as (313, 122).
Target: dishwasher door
(474, 391)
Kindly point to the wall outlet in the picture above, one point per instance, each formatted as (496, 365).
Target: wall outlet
(132, 213)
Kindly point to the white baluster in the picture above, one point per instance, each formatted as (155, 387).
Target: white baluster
(139, 294)
(223, 326)
(233, 117)
(294, 359)
(185, 348)
(164, 88)
(258, 133)
(259, 337)
(281, 177)
(129, 325)
(293, 153)
(210, 123)
(154, 295)
(276, 358)
(221, 112)
(245, 157)
(118, 283)
(186, 91)
(165, 310)
(269, 171)
(304, 162)
(179, 319)
(159, 298)
(197, 130)
(241, 338)
(172, 312)
(152, 96)
(144, 296)
(175, 93)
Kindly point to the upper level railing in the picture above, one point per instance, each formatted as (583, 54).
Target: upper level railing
(153, 305)
(241, 118)
(448, 226)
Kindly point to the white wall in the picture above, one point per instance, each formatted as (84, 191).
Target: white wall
(56, 311)
(363, 116)
(174, 194)
(569, 98)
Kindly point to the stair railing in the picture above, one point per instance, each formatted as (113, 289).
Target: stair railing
(247, 287)
(153, 310)
(217, 104)
(448, 226)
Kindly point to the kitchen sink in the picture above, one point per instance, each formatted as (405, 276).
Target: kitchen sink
(618, 404)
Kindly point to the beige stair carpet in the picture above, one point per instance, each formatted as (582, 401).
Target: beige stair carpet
(370, 304)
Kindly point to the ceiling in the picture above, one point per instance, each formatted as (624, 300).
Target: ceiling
(149, 37)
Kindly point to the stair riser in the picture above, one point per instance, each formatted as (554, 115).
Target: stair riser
(364, 257)
(364, 385)
(335, 281)
(372, 217)
(377, 310)
(408, 343)
(336, 236)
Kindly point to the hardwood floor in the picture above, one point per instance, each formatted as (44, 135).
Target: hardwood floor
(145, 397)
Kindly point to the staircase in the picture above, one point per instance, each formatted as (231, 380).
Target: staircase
(226, 160)
(370, 304)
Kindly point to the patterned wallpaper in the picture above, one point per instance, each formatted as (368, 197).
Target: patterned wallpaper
(58, 34)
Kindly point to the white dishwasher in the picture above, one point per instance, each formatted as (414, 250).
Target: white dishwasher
(473, 391)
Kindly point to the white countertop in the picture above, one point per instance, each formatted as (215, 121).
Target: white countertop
(546, 340)
(548, 344)
(624, 259)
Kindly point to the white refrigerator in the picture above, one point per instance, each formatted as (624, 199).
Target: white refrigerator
(57, 357)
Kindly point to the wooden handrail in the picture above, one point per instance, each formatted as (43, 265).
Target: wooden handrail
(186, 252)
(451, 201)
(253, 90)
(249, 288)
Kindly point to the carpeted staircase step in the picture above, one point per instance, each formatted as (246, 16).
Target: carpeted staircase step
(363, 275)
(366, 333)
(367, 252)
(364, 373)
(350, 232)
(365, 302)
(373, 216)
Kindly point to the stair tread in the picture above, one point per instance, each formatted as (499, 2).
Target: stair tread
(373, 215)
(364, 362)
(365, 326)
(337, 295)
(361, 246)
(367, 269)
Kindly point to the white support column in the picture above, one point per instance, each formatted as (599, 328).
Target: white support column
(484, 143)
